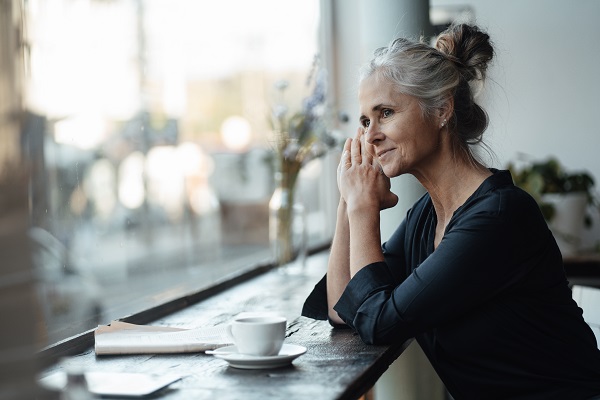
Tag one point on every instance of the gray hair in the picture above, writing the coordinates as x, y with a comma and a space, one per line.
433, 75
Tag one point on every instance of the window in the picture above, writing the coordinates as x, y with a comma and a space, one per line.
148, 126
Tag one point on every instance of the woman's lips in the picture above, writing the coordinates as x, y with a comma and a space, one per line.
383, 153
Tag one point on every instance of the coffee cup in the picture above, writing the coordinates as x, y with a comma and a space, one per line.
259, 335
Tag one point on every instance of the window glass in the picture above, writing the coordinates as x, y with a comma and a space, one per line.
148, 124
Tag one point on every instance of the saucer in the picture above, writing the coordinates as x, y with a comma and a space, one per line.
286, 355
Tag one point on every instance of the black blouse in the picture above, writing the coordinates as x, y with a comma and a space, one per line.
490, 307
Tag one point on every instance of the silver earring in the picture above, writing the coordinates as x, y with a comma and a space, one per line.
443, 123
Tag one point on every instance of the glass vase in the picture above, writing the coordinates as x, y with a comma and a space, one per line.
287, 233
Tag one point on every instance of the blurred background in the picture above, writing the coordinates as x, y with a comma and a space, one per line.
148, 125
135, 153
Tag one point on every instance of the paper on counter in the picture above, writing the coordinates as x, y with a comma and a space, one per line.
125, 338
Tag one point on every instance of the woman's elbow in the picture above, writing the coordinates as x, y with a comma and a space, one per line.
374, 339
334, 319
376, 333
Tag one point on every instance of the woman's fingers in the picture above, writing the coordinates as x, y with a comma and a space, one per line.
355, 149
378, 166
359, 172
346, 153
367, 149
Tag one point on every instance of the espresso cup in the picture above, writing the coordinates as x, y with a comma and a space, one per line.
259, 335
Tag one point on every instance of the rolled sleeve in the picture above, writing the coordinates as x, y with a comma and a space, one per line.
315, 306
364, 306
468, 268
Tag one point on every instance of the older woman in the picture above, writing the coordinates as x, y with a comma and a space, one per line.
473, 272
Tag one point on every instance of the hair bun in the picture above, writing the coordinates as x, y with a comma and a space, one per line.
468, 47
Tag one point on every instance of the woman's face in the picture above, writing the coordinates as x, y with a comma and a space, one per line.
396, 131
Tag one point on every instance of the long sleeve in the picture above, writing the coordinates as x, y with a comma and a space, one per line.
490, 247
469, 267
315, 305
490, 306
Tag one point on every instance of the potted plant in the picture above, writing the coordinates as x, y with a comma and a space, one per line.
563, 198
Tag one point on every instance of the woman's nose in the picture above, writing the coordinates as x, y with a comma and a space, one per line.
373, 134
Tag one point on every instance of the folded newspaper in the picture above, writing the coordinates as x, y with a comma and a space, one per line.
125, 338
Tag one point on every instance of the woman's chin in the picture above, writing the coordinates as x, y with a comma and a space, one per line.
390, 172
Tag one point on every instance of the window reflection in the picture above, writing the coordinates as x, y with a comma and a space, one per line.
150, 119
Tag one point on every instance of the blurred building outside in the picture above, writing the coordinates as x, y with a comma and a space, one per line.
150, 140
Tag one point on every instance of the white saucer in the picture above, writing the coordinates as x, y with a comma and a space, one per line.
286, 355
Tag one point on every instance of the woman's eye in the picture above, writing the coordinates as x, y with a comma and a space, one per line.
365, 123
386, 113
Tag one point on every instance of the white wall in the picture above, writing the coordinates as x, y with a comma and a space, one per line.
543, 97
588, 298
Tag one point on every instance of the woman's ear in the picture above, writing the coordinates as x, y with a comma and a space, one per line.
446, 112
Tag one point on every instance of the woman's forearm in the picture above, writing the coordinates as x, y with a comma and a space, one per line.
338, 269
365, 238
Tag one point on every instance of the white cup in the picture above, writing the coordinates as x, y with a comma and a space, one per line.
259, 335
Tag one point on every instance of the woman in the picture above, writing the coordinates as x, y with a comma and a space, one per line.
473, 272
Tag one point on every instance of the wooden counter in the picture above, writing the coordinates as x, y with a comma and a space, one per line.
337, 365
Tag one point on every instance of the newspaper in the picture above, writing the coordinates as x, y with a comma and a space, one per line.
125, 338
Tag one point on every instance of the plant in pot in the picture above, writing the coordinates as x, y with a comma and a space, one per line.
563, 198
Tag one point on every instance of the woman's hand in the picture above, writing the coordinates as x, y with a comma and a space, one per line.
361, 180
